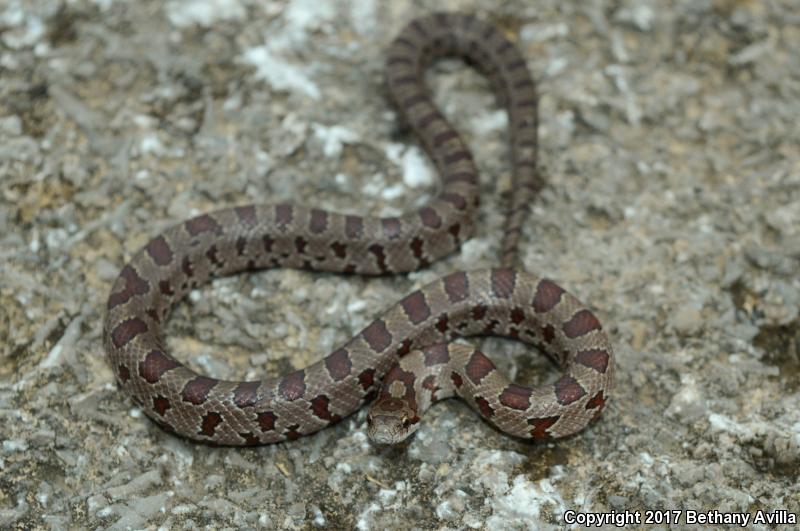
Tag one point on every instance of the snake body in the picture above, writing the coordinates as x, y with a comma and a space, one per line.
409, 341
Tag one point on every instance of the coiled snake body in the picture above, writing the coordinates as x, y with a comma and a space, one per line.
409, 341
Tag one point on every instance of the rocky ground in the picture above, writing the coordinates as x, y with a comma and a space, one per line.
670, 146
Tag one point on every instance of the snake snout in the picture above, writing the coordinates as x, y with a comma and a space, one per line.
390, 421
383, 435
385, 429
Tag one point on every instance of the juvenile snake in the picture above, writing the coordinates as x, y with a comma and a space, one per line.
411, 337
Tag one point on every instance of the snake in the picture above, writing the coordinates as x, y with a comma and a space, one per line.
408, 357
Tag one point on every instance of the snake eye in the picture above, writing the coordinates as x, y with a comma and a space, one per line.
406, 422
369, 420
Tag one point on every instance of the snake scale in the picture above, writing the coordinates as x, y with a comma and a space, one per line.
407, 348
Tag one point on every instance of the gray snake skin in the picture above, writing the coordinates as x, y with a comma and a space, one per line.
407, 347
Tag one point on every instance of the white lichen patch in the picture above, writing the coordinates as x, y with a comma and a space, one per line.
205, 13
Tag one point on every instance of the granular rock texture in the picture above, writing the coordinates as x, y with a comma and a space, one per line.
669, 144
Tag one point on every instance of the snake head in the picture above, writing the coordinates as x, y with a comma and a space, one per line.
391, 420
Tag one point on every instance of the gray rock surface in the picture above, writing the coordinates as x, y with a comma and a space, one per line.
671, 147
